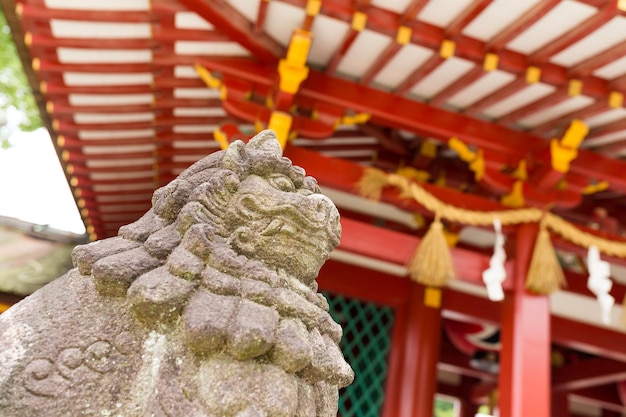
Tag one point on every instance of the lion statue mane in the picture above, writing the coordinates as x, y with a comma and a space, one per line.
205, 306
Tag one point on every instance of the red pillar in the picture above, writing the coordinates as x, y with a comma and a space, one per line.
524, 380
421, 354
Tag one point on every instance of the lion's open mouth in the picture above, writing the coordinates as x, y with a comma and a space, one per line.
289, 219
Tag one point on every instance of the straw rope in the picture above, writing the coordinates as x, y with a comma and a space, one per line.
374, 178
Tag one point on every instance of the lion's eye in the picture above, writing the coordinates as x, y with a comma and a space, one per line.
282, 183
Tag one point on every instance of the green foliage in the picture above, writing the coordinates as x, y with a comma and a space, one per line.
443, 408
17, 104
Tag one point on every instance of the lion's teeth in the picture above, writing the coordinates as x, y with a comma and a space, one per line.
272, 228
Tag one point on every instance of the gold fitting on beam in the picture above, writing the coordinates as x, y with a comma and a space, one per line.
65, 155
516, 197
70, 169
621, 4
280, 122
49, 106
491, 62
84, 212
404, 35
43, 87
313, 7
293, 69
575, 87
36, 64
533, 74
521, 172
56, 124
61, 140
428, 148
447, 49
359, 20
74, 182
596, 188
220, 137
616, 99
432, 297
28, 39
208, 78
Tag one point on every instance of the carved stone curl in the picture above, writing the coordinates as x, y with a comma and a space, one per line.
206, 306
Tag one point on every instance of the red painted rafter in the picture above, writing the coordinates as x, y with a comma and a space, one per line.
260, 17
520, 25
491, 99
604, 397
400, 113
602, 58
606, 13
607, 129
414, 8
430, 36
458, 85
423, 70
230, 22
534, 107
346, 43
587, 373
469, 13
593, 109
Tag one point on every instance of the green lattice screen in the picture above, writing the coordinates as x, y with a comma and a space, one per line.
365, 344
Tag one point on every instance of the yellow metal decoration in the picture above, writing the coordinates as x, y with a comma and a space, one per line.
280, 122
491, 62
516, 197
565, 150
575, 87
404, 35
447, 49
475, 159
292, 68
533, 74
616, 99
432, 297
359, 20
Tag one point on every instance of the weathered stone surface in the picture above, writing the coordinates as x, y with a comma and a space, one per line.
204, 307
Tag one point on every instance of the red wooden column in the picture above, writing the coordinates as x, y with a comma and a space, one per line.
524, 380
421, 354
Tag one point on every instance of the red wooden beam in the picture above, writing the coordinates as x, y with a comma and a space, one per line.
603, 397
616, 126
587, 373
260, 17
230, 22
587, 338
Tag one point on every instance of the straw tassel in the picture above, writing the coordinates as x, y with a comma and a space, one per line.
544, 273
432, 264
372, 183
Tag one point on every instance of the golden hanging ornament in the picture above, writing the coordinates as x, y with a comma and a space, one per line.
544, 273
432, 263
372, 183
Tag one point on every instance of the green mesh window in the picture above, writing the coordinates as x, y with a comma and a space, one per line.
365, 344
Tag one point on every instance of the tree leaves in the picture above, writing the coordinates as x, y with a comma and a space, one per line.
18, 109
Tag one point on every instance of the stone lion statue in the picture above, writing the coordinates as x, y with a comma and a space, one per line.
206, 306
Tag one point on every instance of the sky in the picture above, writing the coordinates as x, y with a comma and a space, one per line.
33, 187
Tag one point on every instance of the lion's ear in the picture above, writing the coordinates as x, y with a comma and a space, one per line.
266, 141
235, 156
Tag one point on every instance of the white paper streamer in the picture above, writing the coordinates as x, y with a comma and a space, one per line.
496, 274
599, 282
